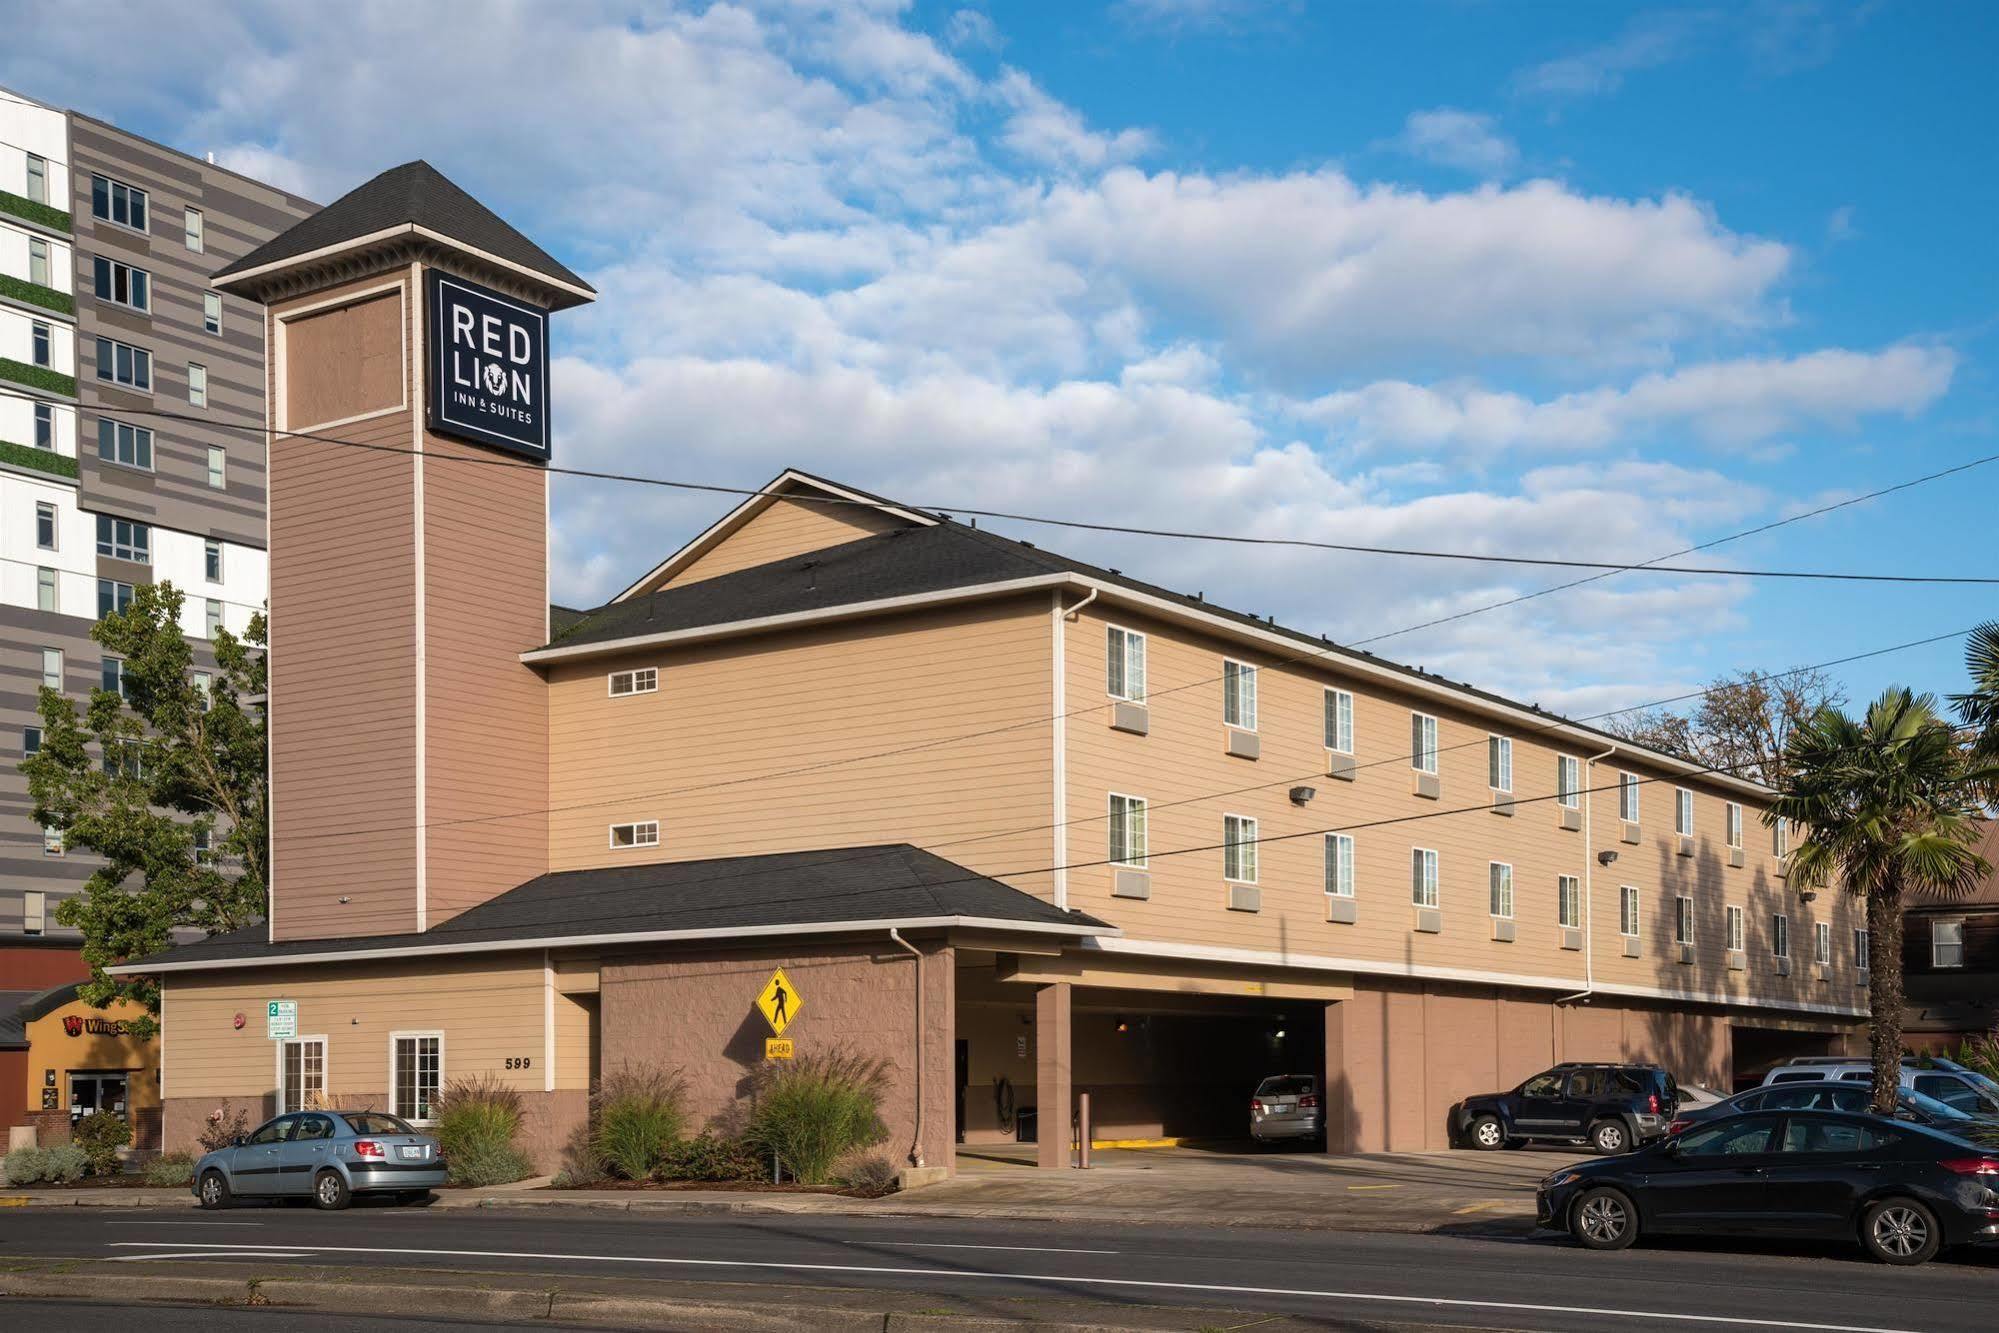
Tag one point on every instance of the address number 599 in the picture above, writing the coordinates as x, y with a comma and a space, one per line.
520, 1062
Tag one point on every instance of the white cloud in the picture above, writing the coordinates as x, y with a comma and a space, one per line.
1177, 16
1462, 140
970, 29
1049, 133
1646, 42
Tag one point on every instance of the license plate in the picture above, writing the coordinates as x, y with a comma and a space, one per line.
1279, 1108
412, 1150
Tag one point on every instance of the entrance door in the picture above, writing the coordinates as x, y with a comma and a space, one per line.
302, 1074
90, 1093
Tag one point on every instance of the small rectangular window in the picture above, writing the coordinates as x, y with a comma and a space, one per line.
1423, 742
1499, 762
1780, 935
211, 312
1423, 889
1627, 797
34, 911
197, 384
1124, 664
51, 841
1239, 849
1734, 814
1239, 695
1862, 941
1500, 880
635, 835
40, 344
1339, 721
1736, 940
122, 539
115, 201
121, 284
1947, 943
1339, 865
38, 262
212, 616
130, 446
1127, 831
1569, 902
211, 561
1683, 920
1683, 812
123, 364
193, 230
204, 847
218, 466
1627, 911
204, 685
111, 676
1780, 837
643, 680
45, 426
45, 526
419, 1073
38, 179
45, 589
52, 668
112, 596
1822, 943
31, 742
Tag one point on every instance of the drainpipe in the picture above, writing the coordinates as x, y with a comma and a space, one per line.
916, 954
1589, 866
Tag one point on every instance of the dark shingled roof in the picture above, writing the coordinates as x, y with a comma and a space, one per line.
413, 192
18, 1008
889, 883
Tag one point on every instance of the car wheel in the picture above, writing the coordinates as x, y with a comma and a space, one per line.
1609, 1137
1603, 1219
214, 1191
330, 1192
1900, 1231
1486, 1133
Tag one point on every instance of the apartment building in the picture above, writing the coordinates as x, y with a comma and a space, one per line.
131, 413
1023, 826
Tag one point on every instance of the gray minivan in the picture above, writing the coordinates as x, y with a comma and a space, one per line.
1286, 1106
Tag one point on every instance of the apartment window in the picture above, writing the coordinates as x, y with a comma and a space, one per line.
643, 680
1500, 882
1735, 934
1627, 797
112, 596
111, 676
1339, 865
1780, 836
45, 526
1863, 940
1569, 902
218, 466
1627, 911
122, 539
45, 426
1683, 920
418, 1072
193, 229
31, 742
1499, 762
204, 685
1423, 877
213, 615
40, 348
635, 835
1822, 943
211, 561
38, 262
38, 179
1239, 695
1239, 849
34, 911
121, 363
1124, 664
1947, 943
1339, 721
51, 841
115, 201
130, 446
1734, 812
197, 384
1780, 935
52, 668
304, 1082
1127, 831
1423, 742
121, 284
45, 589
127, 757
1683, 812
204, 847
211, 312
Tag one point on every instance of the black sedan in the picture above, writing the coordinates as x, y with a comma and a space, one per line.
1902, 1190
1855, 1097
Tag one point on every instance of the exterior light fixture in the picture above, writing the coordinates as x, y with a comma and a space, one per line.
1303, 795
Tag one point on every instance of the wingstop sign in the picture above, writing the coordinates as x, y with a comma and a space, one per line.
488, 367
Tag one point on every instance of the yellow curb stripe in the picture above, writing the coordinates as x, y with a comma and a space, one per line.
1136, 1143
1374, 1187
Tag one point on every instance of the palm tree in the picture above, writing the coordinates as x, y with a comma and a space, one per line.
1888, 803
1980, 708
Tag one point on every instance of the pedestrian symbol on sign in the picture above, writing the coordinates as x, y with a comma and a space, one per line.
779, 1002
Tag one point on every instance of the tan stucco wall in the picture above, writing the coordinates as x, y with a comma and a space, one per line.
51, 1047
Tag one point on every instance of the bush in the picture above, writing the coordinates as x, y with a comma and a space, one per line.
224, 1126
100, 1137
489, 1164
872, 1176
580, 1167
477, 1119
637, 1115
813, 1111
713, 1157
25, 1166
65, 1164
170, 1169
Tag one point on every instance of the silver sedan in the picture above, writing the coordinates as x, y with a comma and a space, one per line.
327, 1156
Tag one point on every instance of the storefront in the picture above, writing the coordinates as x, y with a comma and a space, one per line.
65, 1060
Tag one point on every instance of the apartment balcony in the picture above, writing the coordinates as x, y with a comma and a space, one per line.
38, 460
33, 293
40, 215
37, 377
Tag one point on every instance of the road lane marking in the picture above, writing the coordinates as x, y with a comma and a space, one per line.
1665, 1316
1374, 1187
183, 1224
940, 1245
1486, 1205
214, 1254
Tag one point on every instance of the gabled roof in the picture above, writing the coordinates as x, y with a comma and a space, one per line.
825, 891
20, 1008
412, 198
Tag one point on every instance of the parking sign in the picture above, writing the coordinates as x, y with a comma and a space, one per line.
281, 1019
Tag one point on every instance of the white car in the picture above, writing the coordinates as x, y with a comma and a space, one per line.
1952, 1084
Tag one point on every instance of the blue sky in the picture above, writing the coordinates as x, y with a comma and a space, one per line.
1588, 280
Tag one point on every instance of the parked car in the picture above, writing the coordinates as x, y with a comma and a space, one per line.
1952, 1084
1694, 1096
1612, 1107
1902, 1190
327, 1156
1825, 1095
1286, 1106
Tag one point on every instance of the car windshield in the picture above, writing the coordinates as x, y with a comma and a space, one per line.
374, 1122
1931, 1107
1283, 1085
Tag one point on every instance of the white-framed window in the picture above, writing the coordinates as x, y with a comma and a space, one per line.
1683, 812
218, 466
1947, 942
112, 597
1863, 940
122, 284
1239, 849
1780, 935
1627, 910
204, 685
1127, 831
1569, 902
129, 446
45, 426
126, 757
1339, 865
52, 668
45, 589
34, 911
211, 312
212, 616
1736, 939
1734, 812
641, 680
1499, 881
38, 179
644, 834
45, 526
51, 840
1423, 742
111, 676
211, 561
1627, 797
123, 539
197, 384
416, 1072
38, 261
1124, 664
123, 364
1568, 781
41, 343
1339, 721
192, 230
1499, 762
115, 201
302, 1074
1780, 837
1239, 694
204, 847
31, 742
1423, 884
1683, 920
1822, 943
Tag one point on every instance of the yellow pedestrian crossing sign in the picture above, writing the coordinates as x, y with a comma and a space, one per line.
779, 1003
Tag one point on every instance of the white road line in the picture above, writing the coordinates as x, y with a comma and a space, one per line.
940, 1245
214, 1254
183, 1224
1666, 1316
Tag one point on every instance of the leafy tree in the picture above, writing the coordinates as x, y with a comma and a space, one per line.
1888, 803
1980, 707
175, 765
1742, 725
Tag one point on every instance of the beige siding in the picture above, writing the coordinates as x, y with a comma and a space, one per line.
726, 754
344, 361
786, 528
575, 1041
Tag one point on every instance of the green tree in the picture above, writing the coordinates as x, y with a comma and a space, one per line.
1980, 707
176, 798
1888, 804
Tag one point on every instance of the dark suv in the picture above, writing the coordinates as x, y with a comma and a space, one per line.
1613, 1108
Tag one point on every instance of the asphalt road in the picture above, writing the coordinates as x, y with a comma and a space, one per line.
1541, 1283
203, 1318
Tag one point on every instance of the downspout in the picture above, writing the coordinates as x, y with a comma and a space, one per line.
1589, 895
1059, 740
916, 954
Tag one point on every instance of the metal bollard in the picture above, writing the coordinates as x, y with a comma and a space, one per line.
1083, 1131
